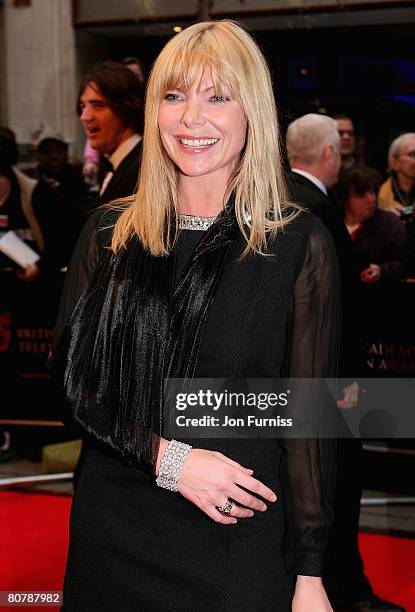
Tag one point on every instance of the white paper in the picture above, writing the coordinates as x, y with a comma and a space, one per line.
12, 246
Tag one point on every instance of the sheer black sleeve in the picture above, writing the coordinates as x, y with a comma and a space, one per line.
91, 243
308, 468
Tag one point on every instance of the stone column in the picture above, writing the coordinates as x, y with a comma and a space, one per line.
39, 68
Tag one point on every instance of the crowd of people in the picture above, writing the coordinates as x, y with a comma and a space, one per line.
163, 282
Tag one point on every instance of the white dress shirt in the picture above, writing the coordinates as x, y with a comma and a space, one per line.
311, 178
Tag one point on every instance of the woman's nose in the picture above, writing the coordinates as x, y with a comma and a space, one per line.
193, 114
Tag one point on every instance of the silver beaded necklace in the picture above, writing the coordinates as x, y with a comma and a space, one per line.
192, 222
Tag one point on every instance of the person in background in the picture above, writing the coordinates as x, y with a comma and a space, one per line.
347, 135
71, 191
110, 107
29, 208
91, 155
397, 193
379, 237
313, 149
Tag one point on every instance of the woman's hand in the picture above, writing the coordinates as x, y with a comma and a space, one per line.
310, 596
209, 479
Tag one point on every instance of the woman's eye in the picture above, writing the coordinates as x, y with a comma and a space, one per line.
219, 99
172, 97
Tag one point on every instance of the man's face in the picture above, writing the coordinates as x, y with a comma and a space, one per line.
52, 155
404, 164
347, 137
104, 129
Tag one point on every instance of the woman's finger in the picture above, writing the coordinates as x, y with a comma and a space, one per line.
246, 499
207, 508
239, 512
256, 486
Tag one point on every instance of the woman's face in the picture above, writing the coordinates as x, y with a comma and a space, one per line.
202, 133
362, 207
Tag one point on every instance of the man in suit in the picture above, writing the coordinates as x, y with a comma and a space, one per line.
110, 107
313, 148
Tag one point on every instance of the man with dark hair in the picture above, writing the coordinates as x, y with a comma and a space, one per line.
110, 106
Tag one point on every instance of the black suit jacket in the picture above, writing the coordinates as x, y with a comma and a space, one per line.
306, 193
124, 181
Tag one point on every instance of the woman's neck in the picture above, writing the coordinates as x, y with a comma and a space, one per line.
200, 196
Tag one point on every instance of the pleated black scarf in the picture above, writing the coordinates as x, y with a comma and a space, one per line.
129, 331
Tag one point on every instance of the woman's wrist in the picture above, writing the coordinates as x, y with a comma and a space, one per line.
171, 465
310, 582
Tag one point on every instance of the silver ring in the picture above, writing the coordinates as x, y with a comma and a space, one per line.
226, 508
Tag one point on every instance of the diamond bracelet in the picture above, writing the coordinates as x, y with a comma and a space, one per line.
171, 465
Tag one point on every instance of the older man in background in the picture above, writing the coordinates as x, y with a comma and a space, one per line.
313, 148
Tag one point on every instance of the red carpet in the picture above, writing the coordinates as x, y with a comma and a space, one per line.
33, 544
390, 566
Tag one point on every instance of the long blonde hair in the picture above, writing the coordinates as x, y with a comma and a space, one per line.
257, 182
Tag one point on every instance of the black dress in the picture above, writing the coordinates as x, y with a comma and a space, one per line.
134, 546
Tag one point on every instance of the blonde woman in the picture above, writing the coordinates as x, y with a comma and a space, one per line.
208, 272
